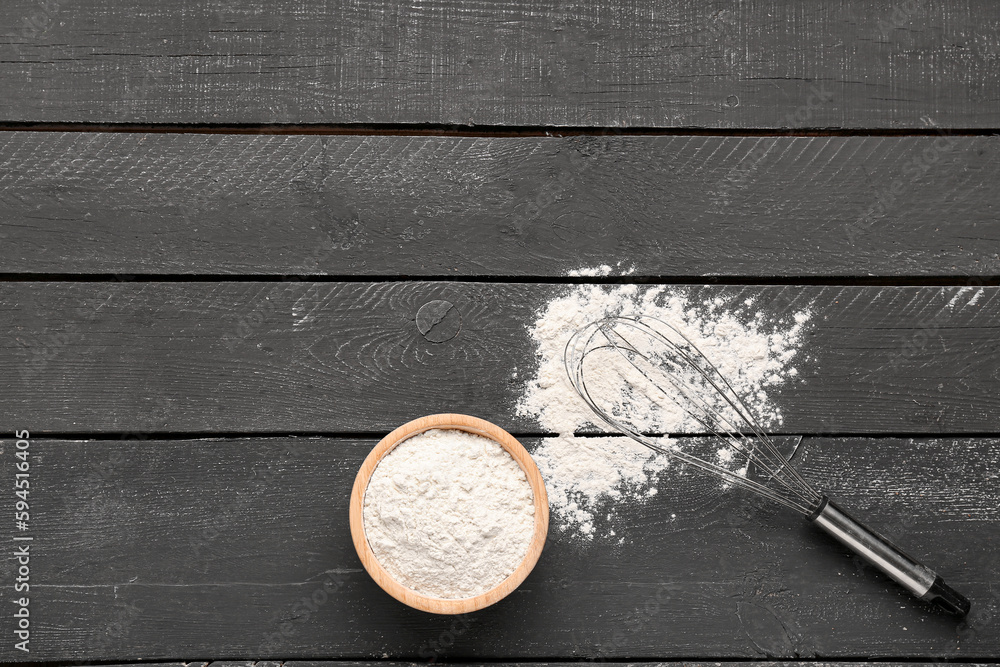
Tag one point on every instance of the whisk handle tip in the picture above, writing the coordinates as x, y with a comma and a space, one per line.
917, 578
947, 598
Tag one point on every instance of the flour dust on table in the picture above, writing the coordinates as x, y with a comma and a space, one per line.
449, 514
587, 475
600, 271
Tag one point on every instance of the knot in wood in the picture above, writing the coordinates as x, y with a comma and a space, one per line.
438, 321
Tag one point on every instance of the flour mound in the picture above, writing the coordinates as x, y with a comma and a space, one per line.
587, 475
449, 514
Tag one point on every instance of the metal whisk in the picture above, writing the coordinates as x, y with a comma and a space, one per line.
658, 363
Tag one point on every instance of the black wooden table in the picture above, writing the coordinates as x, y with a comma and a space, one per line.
177, 178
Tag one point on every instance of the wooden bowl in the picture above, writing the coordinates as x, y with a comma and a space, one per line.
442, 605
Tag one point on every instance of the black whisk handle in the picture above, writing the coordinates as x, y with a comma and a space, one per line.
915, 577
947, 598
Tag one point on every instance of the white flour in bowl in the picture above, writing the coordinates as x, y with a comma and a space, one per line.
584, 474
449, 514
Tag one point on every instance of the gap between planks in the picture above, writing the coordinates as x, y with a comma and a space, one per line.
618, 662
485, 131
632, 279
685, 662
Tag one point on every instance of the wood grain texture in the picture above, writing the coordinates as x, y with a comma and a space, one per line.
241, 547
686, 663
726, 65
173, 664
292, 357
432, 206
393, 663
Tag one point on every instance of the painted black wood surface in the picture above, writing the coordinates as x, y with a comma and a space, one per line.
726, 65
355, 663
687, 663
293, 357
682, 207
176, 308
207, 547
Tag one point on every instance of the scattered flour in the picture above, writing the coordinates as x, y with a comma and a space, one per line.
449, 514
602, 270
585, 475
962, 291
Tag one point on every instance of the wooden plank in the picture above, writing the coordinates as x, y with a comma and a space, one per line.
710, 65
164, 664
207, 547
292, 357
686, 663
655, 206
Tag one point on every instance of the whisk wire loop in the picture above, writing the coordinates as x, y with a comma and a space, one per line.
761, 449
676, 369
695, 382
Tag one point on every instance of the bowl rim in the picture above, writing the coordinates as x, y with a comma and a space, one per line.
476, 426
